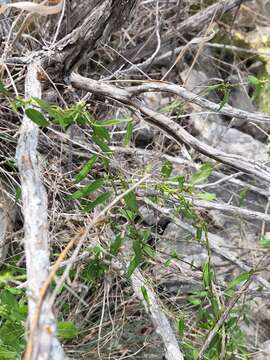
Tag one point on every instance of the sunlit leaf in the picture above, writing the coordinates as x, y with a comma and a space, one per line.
238, 280
202, 175
265, 242
67, 330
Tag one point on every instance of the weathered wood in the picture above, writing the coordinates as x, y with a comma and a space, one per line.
44, 344
98, 25
167, 125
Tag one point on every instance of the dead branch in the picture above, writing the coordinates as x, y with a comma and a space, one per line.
257, 118
159, 319
168, 126
36, 242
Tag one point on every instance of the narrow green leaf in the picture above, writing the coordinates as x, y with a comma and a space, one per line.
131, 202
225, 99
166, 169
206, 196
202, 175
103, 146
137, 247
135, 262
199, 232
67, 330
37, 117
18, 194
86, 190
44, 105
128, 135
181, 327
116, 245
101, 132
238, 280
86, 169
149, 250
181, 182
145, 295
206, 275
112, 122
98, 201
3, 89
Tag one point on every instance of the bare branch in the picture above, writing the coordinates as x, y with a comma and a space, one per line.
159, 319
45, 344
168, 126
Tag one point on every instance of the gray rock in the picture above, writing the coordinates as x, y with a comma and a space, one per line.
148, 215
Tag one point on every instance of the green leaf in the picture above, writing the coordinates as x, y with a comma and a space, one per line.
44, 105
95, 268
181, 327
116, 245
199, 232
225, 99
149, 250
67, 330
18, 194
137, 247
6, 354
194, 300
86, 169
112, 122
238, 280
253, 80
206, 196
135, 262
101, 132
101, 144
3, 89
98, 201
145, 295
128, 134
166, 169
265, 242
174, 105
206, 275
131, 202
215, 308
181, 182
202, 175
86, 190
37, 117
